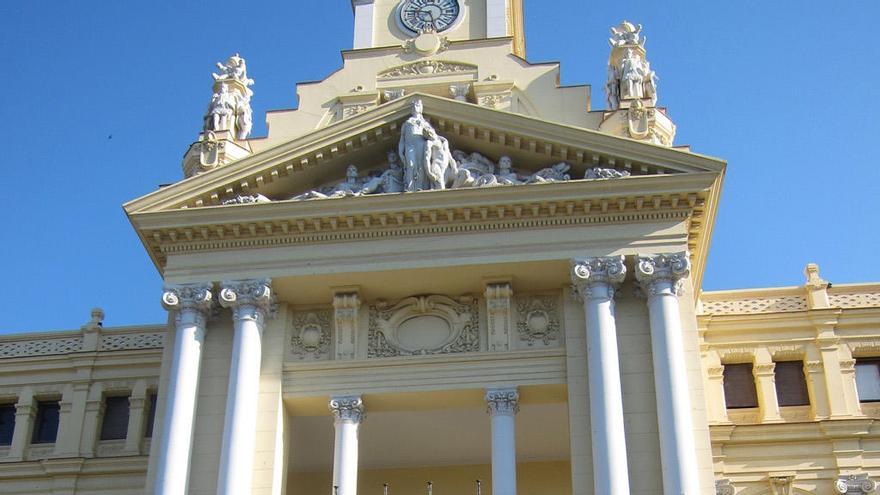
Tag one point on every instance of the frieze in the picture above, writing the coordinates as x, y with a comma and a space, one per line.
538, 319
424, 325
310, 334
426, 68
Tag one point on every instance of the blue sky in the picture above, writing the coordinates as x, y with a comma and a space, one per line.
99, 101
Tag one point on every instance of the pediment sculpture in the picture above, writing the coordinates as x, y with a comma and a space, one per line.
424, 161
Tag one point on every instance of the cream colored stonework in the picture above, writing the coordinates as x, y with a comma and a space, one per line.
412, 304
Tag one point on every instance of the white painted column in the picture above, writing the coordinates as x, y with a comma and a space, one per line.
348, 413
251, 302
502, 405
660, 277
190, 304
595, 280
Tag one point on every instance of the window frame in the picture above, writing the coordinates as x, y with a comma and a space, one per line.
42, 406
725, 383
875, 361
125, 402
782, 389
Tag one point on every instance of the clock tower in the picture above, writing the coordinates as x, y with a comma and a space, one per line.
379, 23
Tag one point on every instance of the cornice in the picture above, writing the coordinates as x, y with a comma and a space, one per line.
680, 197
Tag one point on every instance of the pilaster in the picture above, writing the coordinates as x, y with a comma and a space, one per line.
137, 403
499, 316
764, 372
25, 413
346, 312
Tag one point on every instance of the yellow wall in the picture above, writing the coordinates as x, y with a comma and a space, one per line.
533, 478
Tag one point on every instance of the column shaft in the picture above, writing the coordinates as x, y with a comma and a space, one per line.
348, 414
595, 279
191, 303
175, 444
660, 276
503, 405
250, 302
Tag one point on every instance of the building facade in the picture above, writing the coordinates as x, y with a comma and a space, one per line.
444, 271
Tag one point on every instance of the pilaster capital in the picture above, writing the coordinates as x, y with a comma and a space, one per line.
347, 409
249, 299
656, 272
723, 487
195, 297
597, 277
502, 401
765, 370
498, 296
854, 483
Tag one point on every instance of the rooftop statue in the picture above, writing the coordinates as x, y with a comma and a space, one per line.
230, 107
235, 68
626, 34
629, 74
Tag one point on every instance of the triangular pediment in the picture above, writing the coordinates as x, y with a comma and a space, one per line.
322, 156
658, 183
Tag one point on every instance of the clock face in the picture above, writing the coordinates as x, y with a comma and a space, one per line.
428, 15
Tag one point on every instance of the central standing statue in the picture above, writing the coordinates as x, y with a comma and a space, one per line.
427, 161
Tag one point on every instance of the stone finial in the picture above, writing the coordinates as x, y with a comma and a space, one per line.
96, 321
816, 287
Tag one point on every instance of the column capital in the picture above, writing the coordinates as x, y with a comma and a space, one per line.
597, 277
196, 297
656, 271
502, 401
349, 408
854, 483
251, 298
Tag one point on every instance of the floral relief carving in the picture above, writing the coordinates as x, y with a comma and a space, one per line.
538, 319
426, 68
424, 325
310, 335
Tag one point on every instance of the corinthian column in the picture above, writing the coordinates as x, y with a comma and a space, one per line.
595, 280
660, 277
348, 413
251, 302
503, 404
190, 305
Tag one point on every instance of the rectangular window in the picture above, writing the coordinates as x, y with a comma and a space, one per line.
46, 422
739, 386
868, 379
791, 385
7, 423
115, 423
151, 416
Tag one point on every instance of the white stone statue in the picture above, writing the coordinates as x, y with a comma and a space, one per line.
632, 76
243, 118
626, 34
389, 181
235, 68
414, 150
605, 173
221, 111
556, 173
351, 186
427, 161
612, 88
